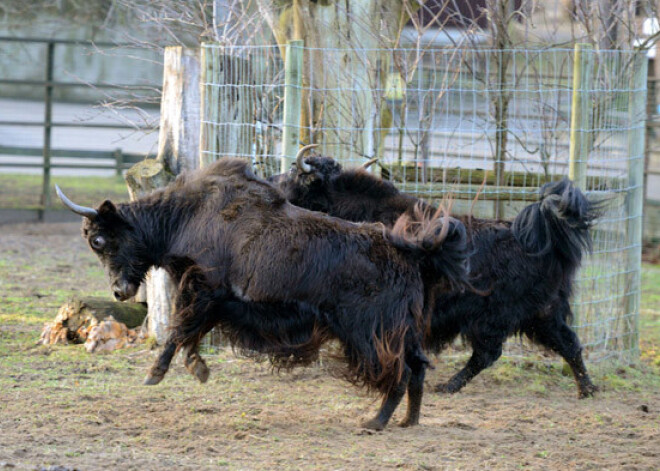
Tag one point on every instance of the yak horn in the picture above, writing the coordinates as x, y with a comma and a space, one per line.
84, 211
369, 163
302, 166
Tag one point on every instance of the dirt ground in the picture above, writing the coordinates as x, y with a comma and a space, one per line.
61, 408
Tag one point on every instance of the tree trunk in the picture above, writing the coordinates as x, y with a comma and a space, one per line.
178, 150
78, 310
157, 290
346, 37
178, 139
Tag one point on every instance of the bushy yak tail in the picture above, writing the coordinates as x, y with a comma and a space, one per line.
558, 223
439, 241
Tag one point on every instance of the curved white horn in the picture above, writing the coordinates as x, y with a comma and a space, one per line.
300, 162
84, 211
369, 163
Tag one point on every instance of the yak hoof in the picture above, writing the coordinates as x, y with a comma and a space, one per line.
373, 424
200, 371
196, 365
408, 422
446, 388
587, 390
152, 379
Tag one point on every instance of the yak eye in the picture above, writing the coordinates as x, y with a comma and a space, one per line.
98, 242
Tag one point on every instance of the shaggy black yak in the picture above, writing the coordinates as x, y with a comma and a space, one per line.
281, 280
525, 267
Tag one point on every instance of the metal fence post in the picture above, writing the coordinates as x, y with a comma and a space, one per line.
580, 137
48, 114
209, 107
292, 100
580, 133
635, 198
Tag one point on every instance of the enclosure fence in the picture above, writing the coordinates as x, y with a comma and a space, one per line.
443, 121
53, 106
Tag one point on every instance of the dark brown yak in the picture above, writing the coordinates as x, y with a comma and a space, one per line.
281, 280
527, 266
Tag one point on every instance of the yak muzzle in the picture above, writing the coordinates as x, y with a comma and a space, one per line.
124, 290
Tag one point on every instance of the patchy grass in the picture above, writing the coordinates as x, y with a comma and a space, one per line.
649, 322
60, 406
24, 191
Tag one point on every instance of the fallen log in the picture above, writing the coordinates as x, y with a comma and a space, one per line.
96, 322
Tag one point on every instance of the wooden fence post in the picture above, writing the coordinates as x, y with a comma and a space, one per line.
293, 69
580, 138
119, 161
48, 124
178, 138
635, 198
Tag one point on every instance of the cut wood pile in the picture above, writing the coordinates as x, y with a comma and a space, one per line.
101, 325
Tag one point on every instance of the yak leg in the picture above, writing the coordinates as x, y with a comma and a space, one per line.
196, 365
483, 355
188, 334
193, 362
556, 335
162, 363
390, 403
415, 390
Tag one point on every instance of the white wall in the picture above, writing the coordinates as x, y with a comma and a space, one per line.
27, 61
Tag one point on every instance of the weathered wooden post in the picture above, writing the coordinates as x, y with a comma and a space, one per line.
48, 125
293, 68
635, 198
581, 113
178, 150
119, 161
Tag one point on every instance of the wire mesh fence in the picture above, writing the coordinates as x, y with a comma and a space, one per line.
446, 120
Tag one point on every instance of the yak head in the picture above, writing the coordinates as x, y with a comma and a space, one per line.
117, 244
308, 179
309, 182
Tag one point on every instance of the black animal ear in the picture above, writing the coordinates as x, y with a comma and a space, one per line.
109, 215
107, 208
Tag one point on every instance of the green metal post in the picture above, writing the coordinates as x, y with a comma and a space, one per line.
293, 69
580, 138
635, 198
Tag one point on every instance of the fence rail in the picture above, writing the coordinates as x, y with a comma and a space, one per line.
116, 159
120, 160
